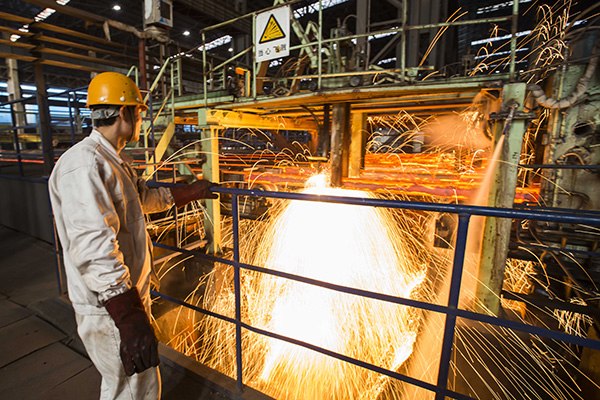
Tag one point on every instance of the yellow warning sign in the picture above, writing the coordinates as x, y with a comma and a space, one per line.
272, 31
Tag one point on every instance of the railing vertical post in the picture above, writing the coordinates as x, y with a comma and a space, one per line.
71, 125
57, 260
152, 142
204, 70
450, 325
254, 64
320, 46
237, 287
403, 40
16, 137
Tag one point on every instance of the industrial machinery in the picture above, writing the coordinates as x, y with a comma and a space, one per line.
488, 104
514, 138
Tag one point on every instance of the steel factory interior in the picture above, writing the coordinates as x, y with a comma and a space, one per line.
408, 194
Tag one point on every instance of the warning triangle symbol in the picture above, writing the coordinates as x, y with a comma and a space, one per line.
272, 31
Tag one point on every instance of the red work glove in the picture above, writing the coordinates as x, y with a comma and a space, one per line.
139, 347
194, 191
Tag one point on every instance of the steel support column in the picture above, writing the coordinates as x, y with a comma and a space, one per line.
45, 130
340, 143
358, 142
143, 81
14, 92
210, 171
496, 233
362, 22
324, 144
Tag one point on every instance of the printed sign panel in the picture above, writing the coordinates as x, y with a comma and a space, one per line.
272, 37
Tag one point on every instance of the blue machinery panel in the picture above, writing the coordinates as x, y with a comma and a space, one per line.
451, 310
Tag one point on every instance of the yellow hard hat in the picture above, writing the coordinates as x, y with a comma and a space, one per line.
113, 88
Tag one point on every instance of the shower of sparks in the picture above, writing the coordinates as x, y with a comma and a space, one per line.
518, 279
574, 323
335, 243
354, 246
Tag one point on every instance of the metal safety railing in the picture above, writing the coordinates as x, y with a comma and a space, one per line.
319, 46
65, 116
450, 310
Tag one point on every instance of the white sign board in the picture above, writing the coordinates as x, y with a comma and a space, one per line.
272, 34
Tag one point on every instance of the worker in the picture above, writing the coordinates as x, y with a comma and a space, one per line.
99, 204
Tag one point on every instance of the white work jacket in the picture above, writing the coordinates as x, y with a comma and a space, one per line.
99, 204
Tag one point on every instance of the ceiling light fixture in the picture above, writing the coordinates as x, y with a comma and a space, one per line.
117, 7
42, 15
186, 33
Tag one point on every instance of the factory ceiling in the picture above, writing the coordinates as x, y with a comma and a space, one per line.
68, 33
86, 17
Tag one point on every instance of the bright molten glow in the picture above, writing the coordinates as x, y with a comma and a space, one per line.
354, 246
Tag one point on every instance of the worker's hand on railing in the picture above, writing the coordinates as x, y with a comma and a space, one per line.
182, 195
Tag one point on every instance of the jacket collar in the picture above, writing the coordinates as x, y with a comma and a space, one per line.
97, 137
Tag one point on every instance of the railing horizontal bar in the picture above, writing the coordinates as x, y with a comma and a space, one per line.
558, 166
554, 249
192, 307
354, 361
556, 216
393, 374
492, 320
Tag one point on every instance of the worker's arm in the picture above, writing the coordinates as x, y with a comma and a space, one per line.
153, 199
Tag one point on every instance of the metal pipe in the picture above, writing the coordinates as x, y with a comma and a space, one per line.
71, 119
237, 289
341, 74
403, 39
16, 141
254, 64
204, 73
407, 28
513, 39
44, 123
158, 78
319, 48
540, 215
229, 60
142, 64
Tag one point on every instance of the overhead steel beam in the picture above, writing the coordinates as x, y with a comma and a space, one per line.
58, 29
86, 16
49, 39
237, 119
68, 10
55, 63
87, 47
80, 35
103, 61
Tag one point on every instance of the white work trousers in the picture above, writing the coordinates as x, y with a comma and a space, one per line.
101, 339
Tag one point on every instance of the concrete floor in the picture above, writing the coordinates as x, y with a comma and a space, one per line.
41, 356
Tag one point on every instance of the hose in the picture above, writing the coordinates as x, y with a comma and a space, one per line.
582, 85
